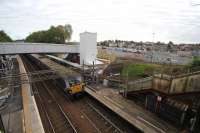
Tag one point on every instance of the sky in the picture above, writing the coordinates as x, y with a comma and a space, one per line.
138, 20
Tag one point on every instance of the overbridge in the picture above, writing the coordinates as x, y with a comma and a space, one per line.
37, 48
87, 47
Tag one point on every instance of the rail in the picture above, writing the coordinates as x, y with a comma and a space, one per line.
89, 113
53, 110
104, 117
110, 125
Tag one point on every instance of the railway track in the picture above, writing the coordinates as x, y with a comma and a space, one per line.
109, 126
58, 121
92, 114
60, 114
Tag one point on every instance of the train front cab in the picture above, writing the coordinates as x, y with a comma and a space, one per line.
74, 87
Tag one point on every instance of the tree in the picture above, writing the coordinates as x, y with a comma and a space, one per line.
194, 65
4, 37
58, 34
68, 31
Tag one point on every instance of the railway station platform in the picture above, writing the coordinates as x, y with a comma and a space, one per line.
31, 118
60, 69
65, 61
128, 110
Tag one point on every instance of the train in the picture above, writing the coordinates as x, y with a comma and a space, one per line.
72, 85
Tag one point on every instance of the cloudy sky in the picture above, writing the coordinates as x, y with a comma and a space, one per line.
176, 20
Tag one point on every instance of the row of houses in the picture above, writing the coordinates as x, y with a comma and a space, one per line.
183, 50
179, 57
167, 58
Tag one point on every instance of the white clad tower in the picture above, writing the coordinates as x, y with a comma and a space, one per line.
88, 47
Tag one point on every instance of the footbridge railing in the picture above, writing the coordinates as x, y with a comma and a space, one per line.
138, 85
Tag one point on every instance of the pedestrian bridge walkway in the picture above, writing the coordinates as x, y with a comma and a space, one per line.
36, 48
86, 48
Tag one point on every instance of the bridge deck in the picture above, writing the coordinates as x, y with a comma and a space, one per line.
26, 48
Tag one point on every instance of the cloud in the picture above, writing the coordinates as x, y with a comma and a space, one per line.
175, 20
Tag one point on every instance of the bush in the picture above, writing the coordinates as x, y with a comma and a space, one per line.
195, 62
137, 70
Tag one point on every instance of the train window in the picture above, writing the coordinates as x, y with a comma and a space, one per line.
77, 81
67, 85
71, 83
